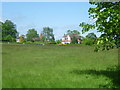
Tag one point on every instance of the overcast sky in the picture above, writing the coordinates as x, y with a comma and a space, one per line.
61, 16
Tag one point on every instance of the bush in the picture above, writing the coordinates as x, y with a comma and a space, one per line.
88, 42
58, 41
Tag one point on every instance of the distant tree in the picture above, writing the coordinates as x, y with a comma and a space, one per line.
48, 34
91, 36
82, 38
43, 38
0, 30
90, 39
1, 25
9, 31
31, 33
17, 35
107, 21
58, 41
8, 38
53, 39
70, 32
74, 40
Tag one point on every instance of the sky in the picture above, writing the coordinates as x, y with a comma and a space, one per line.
61, 16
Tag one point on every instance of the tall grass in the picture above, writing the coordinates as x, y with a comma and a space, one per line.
0, 65
27, 66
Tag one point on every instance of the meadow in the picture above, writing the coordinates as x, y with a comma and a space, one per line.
37, 66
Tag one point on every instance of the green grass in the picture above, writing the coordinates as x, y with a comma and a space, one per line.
0, 65
27, 66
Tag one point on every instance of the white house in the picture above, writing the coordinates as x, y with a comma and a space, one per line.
67, 39
17, 39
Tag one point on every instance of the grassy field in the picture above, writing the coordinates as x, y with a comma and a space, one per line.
27, 66
0, 65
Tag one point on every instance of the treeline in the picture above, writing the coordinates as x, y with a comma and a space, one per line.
10, 34
107, 22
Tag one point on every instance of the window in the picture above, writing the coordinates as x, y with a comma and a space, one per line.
66, 38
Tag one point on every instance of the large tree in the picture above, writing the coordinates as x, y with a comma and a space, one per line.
31, 33
8, 31
48, 34
107, 21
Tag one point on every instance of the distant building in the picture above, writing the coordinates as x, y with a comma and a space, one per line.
18, 38
67, 39
36, 39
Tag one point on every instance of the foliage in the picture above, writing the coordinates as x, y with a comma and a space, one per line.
43, 38
48, 34
90, 39
107, 18
87, 42
31, 33
75, 35
86, 27
22, 39
58, 41
0, 30
70, 32
82, 38
8, 31
74, 40
8, 38
91, 36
